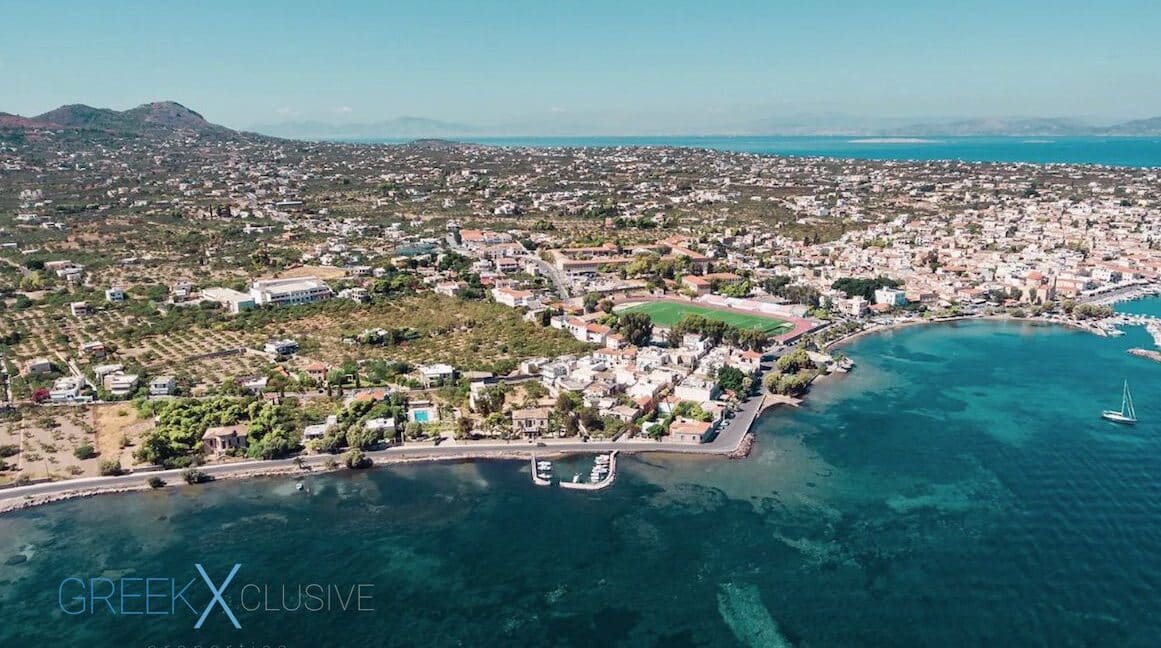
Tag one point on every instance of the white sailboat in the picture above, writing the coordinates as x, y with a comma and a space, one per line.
1127, 414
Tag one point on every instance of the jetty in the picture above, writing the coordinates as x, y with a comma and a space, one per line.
1146, 353
605, 482
603, 475
1110, 326
536, 474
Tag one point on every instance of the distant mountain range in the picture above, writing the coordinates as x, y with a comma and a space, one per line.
1027, 127
418, 127
166, 117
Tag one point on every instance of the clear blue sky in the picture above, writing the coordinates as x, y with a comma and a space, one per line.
621, 66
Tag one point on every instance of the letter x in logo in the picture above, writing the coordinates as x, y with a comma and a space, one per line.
217, 593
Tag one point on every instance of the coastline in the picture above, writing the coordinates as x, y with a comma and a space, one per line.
23, 497
734, 441
879, 328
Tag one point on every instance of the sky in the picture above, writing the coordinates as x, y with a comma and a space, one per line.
588, 67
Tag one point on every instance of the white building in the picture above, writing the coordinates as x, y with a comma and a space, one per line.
513, 298
120, 385
281, 347
231, 300
891, 297
66, 388
697, 390
162, 386
435, 374
286, 292
355, 294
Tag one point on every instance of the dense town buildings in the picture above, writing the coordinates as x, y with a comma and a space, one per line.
150, 274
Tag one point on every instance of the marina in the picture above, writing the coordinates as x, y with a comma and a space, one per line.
602, 474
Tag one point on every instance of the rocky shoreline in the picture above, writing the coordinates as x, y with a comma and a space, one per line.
744, 448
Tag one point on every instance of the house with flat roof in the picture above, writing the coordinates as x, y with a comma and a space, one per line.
514, 298
289, 292
37, 366
120, 385
232, 300
283, 347
436, 374
66, 389
162, 386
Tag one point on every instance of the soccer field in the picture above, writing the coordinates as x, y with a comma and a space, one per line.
669, 313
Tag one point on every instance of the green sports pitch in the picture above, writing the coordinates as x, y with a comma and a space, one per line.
669, 313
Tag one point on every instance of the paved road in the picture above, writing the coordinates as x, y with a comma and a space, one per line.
728, 440
558, 279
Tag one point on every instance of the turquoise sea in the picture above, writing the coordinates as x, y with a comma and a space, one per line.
1147, 306
957, 489
1115, 151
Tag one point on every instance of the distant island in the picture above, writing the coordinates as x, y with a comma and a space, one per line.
161, 116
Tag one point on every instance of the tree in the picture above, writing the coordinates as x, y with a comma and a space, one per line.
793, 384
731, 379
463, 427
362, 438
336, 377
545, 317
357, 460
155, 482
414, 430
277, 382
770, 382
637, 328
534, 391
498, 423
330, 443
852, 286
795, 361
590, 302
195, 476
491, 399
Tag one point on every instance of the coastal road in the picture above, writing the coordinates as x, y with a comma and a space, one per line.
728, 440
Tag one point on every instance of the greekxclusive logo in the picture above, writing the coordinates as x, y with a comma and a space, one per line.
199, 596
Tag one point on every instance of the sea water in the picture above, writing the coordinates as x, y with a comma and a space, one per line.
958, 488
